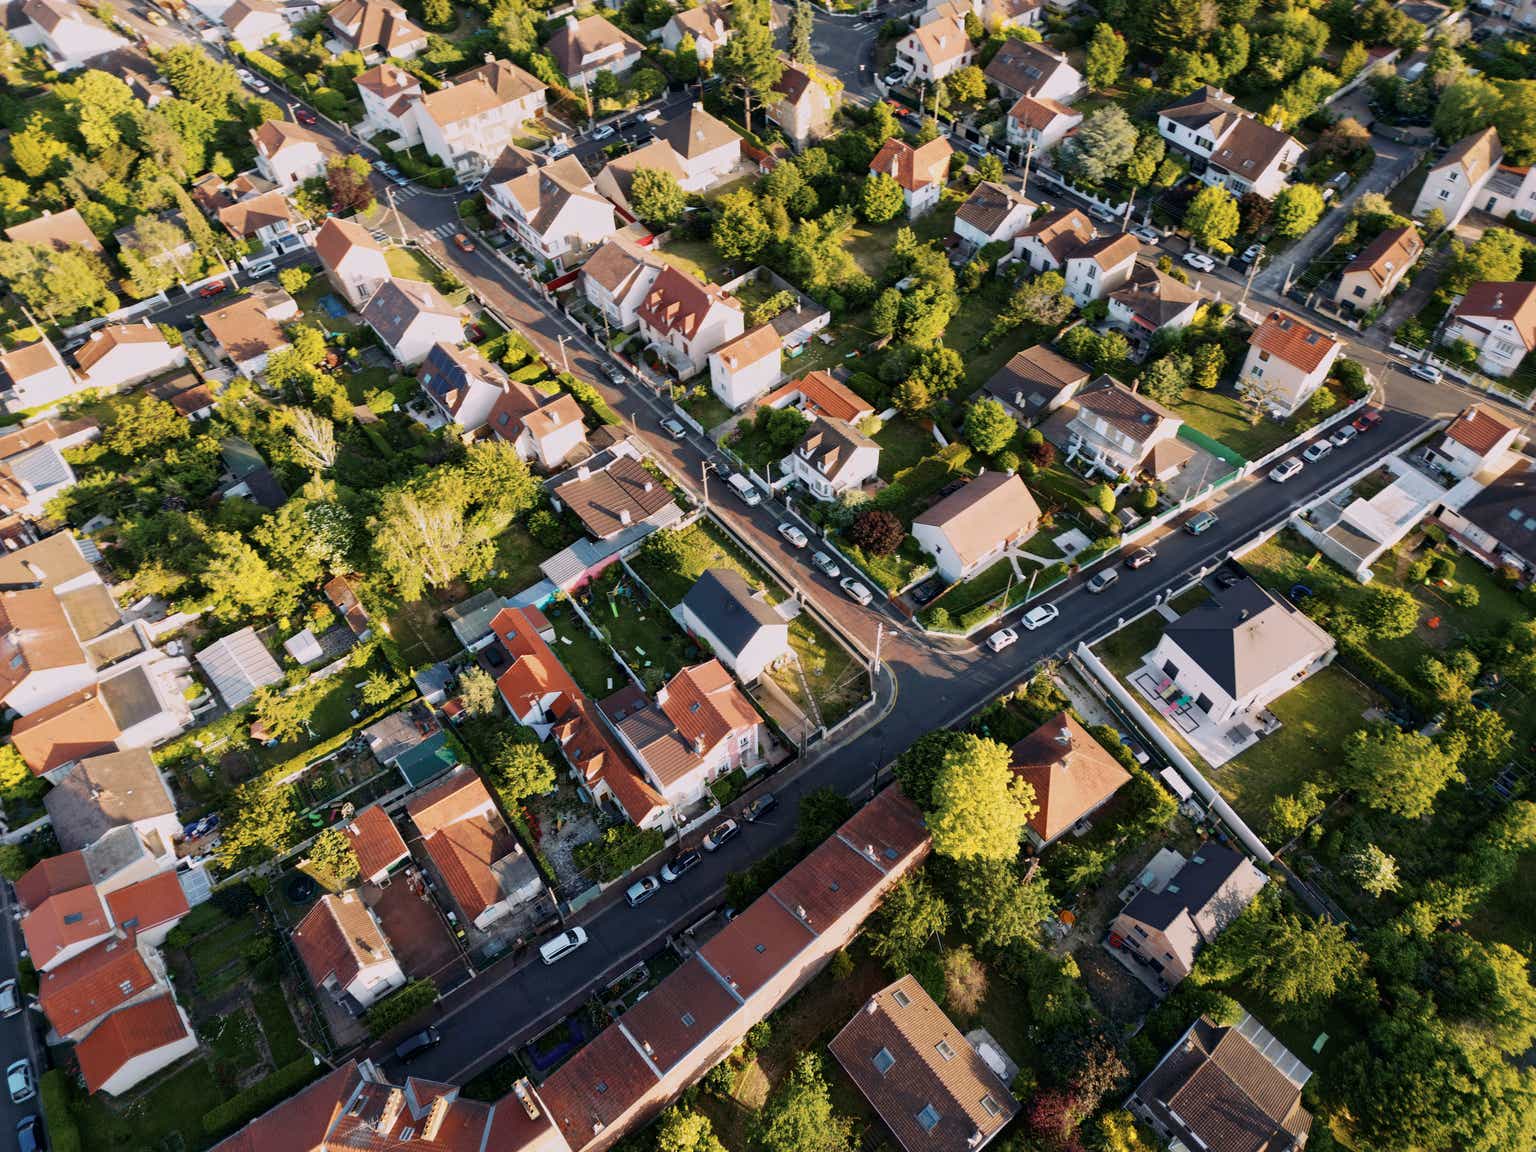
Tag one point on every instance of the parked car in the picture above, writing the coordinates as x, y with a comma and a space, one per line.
10, 999
857, 591
1343, 436
674, 428
1039, 617
463, 243
1140, 558
29, 1134
260, 270
1199, 261
558, 149
1252, 253
1289, 467
386, 168
156, 19
1002, 638
21, 1082
719, 834
1426, 372
1316, 450
1146, 234
603, 133
1102, 579
1200, 523
617, 378
213, 289
1366, 420
759, 808
682, 862
926, 591
649, 117
793, 534
306, 117
413, 1046
381, 237
245, 74
827, 566
642, 890
562, 945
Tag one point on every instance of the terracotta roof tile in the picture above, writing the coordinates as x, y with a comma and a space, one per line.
749, 348
752, 948
63, 921
148, 903
823, 396
113, 336
1474, 154
57, 230
1514, 302
134, 1031
465, 853
456, 797
299, 1123
337, 239
337, 938
595, 1087
83, 989
914, 168
1389, 254
679, 1013
1477, 428
705, 704
51, 876
376, 841
1071, 777
678, 303
1293, 341
623, 494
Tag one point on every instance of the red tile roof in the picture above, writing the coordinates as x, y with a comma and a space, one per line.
376, 841
299, 1123
465, 853
149, 903
1298, 344
1478, 429
63, 921
136, 1030
680, 1013
677, 302
914, 168
1071, 777
1511, 301
752, 948
459, 794
52, 876
823, 396
88, 986
594, 1088
827, 883
704, 703
337, 938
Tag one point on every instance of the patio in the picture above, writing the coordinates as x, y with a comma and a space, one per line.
1216, 743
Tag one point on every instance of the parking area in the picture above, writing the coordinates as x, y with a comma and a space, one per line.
417, 930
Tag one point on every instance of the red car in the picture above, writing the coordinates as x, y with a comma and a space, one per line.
463, 242
1367, 420
212, 289
305, 116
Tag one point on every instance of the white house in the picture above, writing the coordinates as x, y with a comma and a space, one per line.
133, 1044
617, 178
1035, 382
1023, 68
922, 172
1478, 440
1151, 300
121, 355
1371, 276
736, 621
409, 317
803, 108
549, 206
935, 50
252, 23
32, 466
467, 123
992, 213
463, 384
1098, 267
1050, 240
71, 36
43, 660
268, 221
289, 154
390, 96
709, 24
1239, 650
1287, 361
246, 333
746, 367
583, 48
1499, 320
1456, 182
992, 13
376, 28
1118, 431
1242, 153
36, 376
1040, 123
832, 459
969, 529
616, 278
353, 260
685, 320
345, 952
114, 790
706, 147
545, 430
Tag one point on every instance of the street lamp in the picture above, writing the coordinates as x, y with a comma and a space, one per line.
705, 468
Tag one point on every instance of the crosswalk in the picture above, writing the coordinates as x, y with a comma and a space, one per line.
408, 191
442, 231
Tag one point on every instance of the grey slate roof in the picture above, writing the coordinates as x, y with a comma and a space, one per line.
1192, 888
1242, 636
1506, 510
397, 304
104, 792
722, 600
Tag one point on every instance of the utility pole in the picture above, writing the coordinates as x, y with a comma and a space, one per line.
565, 356
705, 468
389, 192
874, 663
1029, 154
1253, 270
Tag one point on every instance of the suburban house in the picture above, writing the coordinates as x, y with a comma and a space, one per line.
1287, 361
998, 13
1072, 774
545, 430
267, 221
1238, 151
389, 95
1121, 432
56, 232
934, 50
832, 459
1499, 320
246, 333
706, 147
550, 206
709, 25
73, 902
685, 321
353, 260
289, 154
44, 660
1371, 276
1456, 182
617, 178
924, 1079
466, 123
36, 376
1049, 240
736, 621
820, 396
922, 172
992, 214
804, 107
1151, 300
411, 740
122, 355
1098, 267
410, 317
1021, 69
133, 1044
70, 35
583, 48
376, 28
699, 728
345, 953
82, 991
151, 907
249, 475
1040, 123
1233, 1087
462, 384
252, 23
1035, 382
746, 367
379, 847
1498, 525
620, 495
968, 529
238, 665
33, 471
1479, 440
616, 278
51, 739
1169, 921
1237, 651
114, 790
483, 866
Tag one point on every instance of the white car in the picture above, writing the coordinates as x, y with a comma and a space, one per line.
674, 428
10, 999
649, 117
1039, 617
21, 1082
1316, 450
603, 133
826, 565
642, 890
558, 149
1103, 579
1287, 468
857, 592
1002, 638
719, 834
1252, 253
261, 87
1199, 261
1426, 372
1343, 437
245, 75
793, 534
1146, 234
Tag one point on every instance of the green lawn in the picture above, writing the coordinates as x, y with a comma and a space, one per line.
1122, 651
1221, 416
408, 264
233, 1040
704, 548
892, 572
704, 406
587, 658
695, 257
644, 635
277, 1025
968, 602
518, 556
902, 443
167, 1118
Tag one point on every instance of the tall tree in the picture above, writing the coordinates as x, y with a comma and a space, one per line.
748, 62
979, 805
314, 438
421, 541
880, 198
800, 1117
801, 21
1297, 210
681, 1129
1106, 57
911, 916
1212, 218
657, 198
1398, 772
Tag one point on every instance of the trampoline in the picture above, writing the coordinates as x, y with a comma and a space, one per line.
334, 308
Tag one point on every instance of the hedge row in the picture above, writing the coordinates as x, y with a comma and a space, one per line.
590, 399
256, 1099
53, 1091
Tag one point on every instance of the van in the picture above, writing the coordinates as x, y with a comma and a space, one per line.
257, 271
562, 945
744, 488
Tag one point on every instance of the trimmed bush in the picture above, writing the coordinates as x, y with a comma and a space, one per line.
399, 1006
254, 1100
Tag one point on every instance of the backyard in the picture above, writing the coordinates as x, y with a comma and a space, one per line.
1223, 417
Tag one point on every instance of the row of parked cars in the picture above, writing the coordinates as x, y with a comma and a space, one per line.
1342, 437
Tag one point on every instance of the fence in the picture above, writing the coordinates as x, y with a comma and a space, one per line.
1214, 447
1363, 75
128, 312
1305, 436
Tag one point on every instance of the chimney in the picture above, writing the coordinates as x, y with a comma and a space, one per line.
698, 745
646, 1044
871, 1006
571, 22
1064, 736
490, 57
624, 516
1243, 615
582, 473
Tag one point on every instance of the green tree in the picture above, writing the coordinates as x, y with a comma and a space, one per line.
1289, 815
14, 861
1294, 962
996, 909
1212, 218
1496, 256
422, 540
1102, 145
197, 77
1042, 301
1389, 613
60, 285
1165, 379
967, 85
477, 692
799, 1116
516, 24
979, 805
521, 770
259, 819
1102, 497
682, 1129
294, 280
1142, 167
918, 768
885, 312
748, 62
801, 22
740, 231
1372, 869
1207, 363
657, 198
332, 854
437, 13
399, 1006
911, 916
1106, 57
880, 198
1397, 772
990, 168
1466, 107
240, 582
1297, 210
285, 716
142, 425
988, 427
36, 151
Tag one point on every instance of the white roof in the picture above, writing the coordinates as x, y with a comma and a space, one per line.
303, 647
237, 665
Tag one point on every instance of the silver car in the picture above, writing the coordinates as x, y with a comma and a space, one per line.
642, 890
826, 565
21, 1082
857, 591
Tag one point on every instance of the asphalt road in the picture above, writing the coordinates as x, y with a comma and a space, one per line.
19, 1035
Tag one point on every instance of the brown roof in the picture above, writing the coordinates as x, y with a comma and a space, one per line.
55, 230
680, 1013
88, 986
466, 853
64, 920
149, 903
342, 593
104, 792
1295, 342
275, 135
1514, 302
914, 168
104, 340
337, 238
696, 133
244, 217
388, 80
794, 82
1388, 254
1024, 67
756, 945
244, 330
942, 40
31, 360
990, 509
616, 261
575, 40
559, 413
1070, 772
134, 1031
930, 1087
481, 89
657, 156
376, 841
620, 495
1131, 412
594, 1088
1061, 232
826, 884
986, 208
700, 22
378, 23
705, 704
194, 399
35, 636
1249, 148
1039, 112
1153, 296
299, 1123
655, 739
1109, 251
750, 348
1478, 428
51, 876
823, 396
450, 800
679, 303
1474, 154
65, 730
338, 937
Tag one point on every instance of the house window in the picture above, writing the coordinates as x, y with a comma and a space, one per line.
883, 1061
944, 1050
1203, 703
1359, 289
990, 1106
1139, 930
1445, 193
901, 998
928, 1117
1170, 669
745, 741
